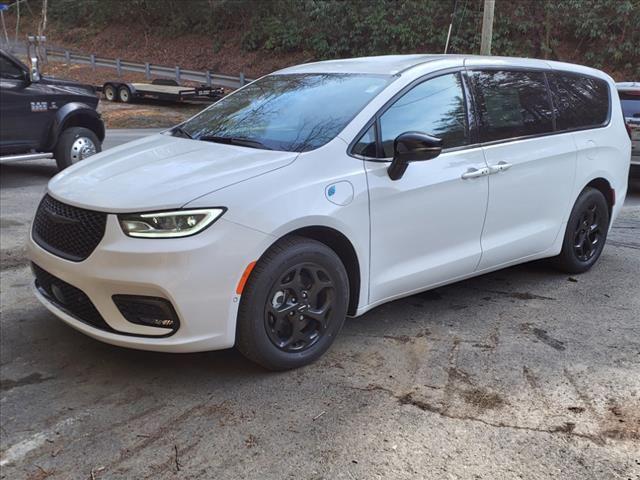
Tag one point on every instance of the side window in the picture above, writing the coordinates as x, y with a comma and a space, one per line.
630, 104
366, 145
10, 70
512, 104
435, 107
579, 101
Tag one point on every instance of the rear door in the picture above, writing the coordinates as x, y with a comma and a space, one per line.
532, 170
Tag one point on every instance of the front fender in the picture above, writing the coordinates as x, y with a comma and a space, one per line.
79, 114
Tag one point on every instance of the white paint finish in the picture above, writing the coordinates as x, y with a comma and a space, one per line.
199, 276
425, 227
280, 205
527, 202
160, 172
383, 64
413, 234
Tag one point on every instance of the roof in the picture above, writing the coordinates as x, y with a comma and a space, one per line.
381, 65
396, 64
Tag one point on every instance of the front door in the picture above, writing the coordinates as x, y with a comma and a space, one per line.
24, 109
426, 226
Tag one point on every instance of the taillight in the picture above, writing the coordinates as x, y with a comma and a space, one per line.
628, 129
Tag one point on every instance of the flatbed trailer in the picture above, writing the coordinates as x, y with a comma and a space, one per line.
160, 90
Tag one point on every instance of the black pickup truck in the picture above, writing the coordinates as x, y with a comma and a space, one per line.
43, 117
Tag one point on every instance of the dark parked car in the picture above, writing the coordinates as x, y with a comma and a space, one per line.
42, 117
630, 97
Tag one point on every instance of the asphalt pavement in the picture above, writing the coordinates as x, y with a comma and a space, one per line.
522, 373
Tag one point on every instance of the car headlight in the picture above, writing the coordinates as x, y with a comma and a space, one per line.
179, 223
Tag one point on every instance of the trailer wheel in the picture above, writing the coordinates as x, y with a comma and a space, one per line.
124, 94
110, 92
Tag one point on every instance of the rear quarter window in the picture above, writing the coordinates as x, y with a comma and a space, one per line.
579, 101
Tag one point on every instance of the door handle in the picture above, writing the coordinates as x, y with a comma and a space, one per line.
475, 173
500, 167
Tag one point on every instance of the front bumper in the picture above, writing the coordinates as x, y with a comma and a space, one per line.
197, 274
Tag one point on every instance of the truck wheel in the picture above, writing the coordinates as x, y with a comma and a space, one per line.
75, 144
124, 94
110, 92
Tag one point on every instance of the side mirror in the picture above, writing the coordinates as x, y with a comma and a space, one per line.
412, 147
34, 75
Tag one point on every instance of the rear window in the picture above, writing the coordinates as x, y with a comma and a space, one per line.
630, 104
512, 104
579, 101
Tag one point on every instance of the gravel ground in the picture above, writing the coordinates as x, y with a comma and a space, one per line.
522, 373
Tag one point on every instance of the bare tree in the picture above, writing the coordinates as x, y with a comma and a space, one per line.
42, 26
17, 19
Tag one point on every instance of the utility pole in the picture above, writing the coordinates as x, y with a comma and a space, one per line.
487, 27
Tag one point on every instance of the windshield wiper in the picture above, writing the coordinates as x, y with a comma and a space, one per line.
242, 141
182, 132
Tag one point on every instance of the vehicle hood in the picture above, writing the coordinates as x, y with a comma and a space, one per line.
160, 172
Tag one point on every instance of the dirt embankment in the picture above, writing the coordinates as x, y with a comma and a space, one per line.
193, 51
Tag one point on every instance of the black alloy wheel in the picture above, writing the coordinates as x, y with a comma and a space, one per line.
586, 233
299, 306
293, 305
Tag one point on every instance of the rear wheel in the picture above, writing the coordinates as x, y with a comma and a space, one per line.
124, 94
586, 233
110, 92
293, 305
75, 144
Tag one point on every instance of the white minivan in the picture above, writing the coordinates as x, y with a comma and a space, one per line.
326, 189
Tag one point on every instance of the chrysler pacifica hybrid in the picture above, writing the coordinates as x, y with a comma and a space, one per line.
323, 190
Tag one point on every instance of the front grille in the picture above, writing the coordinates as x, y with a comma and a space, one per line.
68, 232
68, 298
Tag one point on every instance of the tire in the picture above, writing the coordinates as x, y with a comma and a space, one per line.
110, 92
297, 286
74, 145
124, 94
586, 233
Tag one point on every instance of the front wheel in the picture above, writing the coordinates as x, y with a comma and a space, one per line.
586, 233
75, 144
293, 305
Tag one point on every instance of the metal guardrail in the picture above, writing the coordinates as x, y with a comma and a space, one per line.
149, 70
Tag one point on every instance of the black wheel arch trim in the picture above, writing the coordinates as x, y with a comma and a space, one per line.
69, 114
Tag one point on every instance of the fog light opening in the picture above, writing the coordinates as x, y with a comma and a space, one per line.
148, 311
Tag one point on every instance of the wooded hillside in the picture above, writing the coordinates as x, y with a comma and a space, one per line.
600, 33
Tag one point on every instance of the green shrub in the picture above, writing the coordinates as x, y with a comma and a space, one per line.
602, 33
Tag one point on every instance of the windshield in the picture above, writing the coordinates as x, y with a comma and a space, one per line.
296, 112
